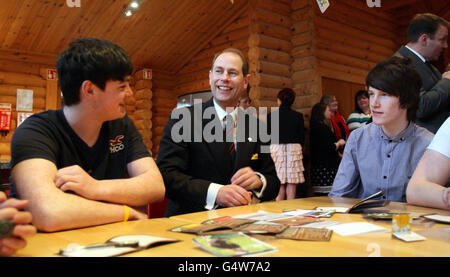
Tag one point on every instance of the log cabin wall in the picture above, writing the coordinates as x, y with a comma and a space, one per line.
350, 40
164, 101
25, 71
269, 54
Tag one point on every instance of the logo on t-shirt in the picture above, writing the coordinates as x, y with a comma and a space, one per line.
115, 145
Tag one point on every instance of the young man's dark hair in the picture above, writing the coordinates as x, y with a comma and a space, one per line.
90, 59
397, 77
287, 97
425, 23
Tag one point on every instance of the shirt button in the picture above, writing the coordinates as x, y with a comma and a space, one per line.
388, 155
384, 177
384, 197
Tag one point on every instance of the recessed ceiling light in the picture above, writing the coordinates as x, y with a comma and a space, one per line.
132, 8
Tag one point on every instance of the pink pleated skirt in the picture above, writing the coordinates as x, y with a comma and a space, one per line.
288, 159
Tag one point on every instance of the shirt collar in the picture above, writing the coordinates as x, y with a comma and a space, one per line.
221, 113
417, 54
409, 131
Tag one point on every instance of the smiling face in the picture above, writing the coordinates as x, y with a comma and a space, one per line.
227, 80
111, 101
363, 102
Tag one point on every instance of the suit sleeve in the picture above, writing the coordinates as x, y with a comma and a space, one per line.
267, 168
173, 162
436, 99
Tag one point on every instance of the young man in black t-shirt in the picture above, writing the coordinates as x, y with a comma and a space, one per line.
72, 164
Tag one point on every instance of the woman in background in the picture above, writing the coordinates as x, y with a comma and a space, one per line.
361, 115
287, 152
325, 148
338, 123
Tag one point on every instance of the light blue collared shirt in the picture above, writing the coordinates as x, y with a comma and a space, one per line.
373, 161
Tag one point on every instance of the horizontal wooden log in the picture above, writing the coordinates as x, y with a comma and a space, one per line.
339, 67
270, 81
143, 104
303, 26
307, 88
142, 84
354, 42
270, 30
302, 51
11, 90
263, 41
263, 54
28, 57
308, 62
145, 93
343, 76
327, 55
344, 30
304, 76
303, 38
21, 79
143, 114
263, 93
19, 66
349, 51
270, 68
38, 102
193, 87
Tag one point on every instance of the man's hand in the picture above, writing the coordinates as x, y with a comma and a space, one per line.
74, 178
233, 195
247, 179
9, 209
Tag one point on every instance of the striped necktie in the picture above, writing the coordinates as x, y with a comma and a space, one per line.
229, 136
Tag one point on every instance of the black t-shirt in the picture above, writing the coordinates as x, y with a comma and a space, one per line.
47, 135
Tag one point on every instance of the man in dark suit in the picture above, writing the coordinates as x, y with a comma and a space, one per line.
202, 167
427, 38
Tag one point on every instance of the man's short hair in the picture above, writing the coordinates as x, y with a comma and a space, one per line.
327, 99
237, 52
287, 97
90, 59
396, 76
424, 23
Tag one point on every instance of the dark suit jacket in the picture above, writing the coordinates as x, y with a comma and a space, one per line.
434, 105
291, 126
189, 167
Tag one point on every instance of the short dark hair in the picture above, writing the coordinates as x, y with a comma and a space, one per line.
358, 95
424, 23
287, 97
237, 52
396, 76
90, 59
